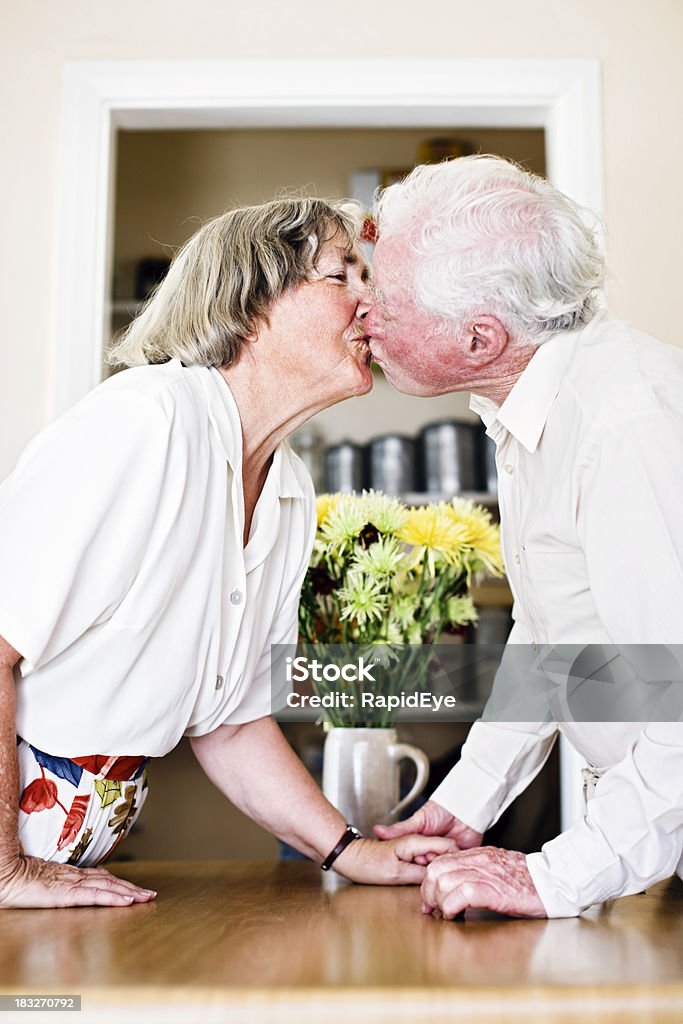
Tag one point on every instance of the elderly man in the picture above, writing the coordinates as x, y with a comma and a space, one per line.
488, 280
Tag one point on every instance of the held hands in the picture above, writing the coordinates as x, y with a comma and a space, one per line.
432, 820
31, 882
394, 862
407, 847
470, 876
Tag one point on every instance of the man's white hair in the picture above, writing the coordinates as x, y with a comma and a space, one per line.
489, 237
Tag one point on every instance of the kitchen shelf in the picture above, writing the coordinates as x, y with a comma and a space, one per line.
492, 593
427, 497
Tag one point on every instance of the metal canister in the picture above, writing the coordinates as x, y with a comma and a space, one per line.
309, 444
450, 457
391, 461
344, 467
489, 471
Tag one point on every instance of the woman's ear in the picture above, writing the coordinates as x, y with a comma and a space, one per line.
258, 324
486, 338
252, 335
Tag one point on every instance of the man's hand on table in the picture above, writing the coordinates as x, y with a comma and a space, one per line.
31, 882
394, 862
486, 878
432, 820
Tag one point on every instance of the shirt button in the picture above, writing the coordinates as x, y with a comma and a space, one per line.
509, 468
236, 597
518, 559
219, 682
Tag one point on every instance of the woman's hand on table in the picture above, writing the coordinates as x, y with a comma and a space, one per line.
391, 862
32, 882
487, 878
432, 820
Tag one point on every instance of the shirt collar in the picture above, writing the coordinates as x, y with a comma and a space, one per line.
525, 411
225, 419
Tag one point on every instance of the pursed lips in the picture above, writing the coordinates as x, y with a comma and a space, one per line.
372, 344
363, 341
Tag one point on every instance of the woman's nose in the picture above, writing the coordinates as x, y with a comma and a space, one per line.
365, 300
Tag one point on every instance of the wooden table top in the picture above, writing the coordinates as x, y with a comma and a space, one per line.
262, 941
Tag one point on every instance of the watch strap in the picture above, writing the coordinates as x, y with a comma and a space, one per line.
350, 834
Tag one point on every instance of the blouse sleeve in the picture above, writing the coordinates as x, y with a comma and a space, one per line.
75, 517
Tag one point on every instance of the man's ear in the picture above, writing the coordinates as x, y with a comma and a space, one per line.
486, 338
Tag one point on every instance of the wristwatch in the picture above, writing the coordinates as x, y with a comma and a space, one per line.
348, 837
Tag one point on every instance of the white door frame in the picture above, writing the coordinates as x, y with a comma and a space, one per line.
561, 96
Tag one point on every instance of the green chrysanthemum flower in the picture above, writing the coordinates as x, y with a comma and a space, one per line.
461, 610
414, 633
362, 599
382, 558
387, 514
344, 523
404, 610
395, 633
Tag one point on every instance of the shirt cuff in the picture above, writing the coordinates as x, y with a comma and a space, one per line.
469, 793
575, 870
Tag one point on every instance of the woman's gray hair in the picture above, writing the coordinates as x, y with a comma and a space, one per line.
224, 280
489, 237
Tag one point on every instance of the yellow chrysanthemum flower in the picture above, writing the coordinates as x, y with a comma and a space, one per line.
430, 530
325, 504
478, 532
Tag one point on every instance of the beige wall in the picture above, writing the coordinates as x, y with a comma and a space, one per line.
638, 42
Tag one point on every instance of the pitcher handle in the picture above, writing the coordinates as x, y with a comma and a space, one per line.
399, 751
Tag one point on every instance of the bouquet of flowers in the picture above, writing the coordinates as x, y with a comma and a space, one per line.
383, 576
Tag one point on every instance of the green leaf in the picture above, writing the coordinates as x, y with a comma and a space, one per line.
108, 791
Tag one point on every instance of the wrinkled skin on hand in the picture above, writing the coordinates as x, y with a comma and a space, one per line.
486, 878
432, 820
31, 882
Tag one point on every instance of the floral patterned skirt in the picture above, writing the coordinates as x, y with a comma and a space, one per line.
76, 811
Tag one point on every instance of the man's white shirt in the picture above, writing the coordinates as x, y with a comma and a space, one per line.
589, 449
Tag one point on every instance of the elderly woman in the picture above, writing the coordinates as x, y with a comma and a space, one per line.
153, 542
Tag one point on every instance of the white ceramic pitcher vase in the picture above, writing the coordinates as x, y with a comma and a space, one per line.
361, 775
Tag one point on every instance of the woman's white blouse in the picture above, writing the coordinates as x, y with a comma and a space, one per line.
125, 585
